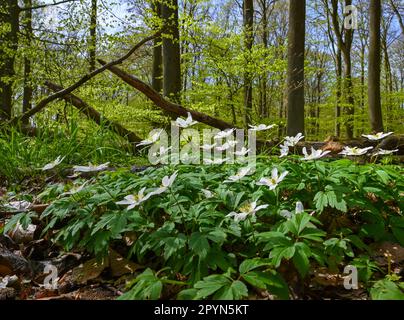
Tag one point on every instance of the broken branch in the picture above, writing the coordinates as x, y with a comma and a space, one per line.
161, 102
79, 83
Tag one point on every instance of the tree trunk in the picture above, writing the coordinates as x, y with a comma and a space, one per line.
296, 52
157, 72
264, 100
339, 94
248, 22
375, 108
9, 16
27, 95
93, 35
171, 51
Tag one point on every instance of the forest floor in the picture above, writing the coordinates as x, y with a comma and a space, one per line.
31, 261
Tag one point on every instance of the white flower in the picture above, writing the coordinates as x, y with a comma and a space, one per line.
287, 214
208, 147
315, 154
185, 123
377, 136
18, 205
217, 161
207, 193
134, 200
284, 151
166, 183
249, 209
91, 168
382, 152
275, 179
292, 141
355, 151
243, 152
224, 134
262, 127
75, 189
161, 152
227, 145
239, 175
53, 164
151, 140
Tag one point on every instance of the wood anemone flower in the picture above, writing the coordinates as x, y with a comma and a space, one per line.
245, 211
378, 136
275, 179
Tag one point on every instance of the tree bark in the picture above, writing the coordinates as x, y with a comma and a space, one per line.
375, 108
9, 21
170, 107
344, 41
157, 69
94, 115
93, 35
296, 53
248, 22
27, 95
171, 51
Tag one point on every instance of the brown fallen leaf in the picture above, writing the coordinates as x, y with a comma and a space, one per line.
120, 266
89, 270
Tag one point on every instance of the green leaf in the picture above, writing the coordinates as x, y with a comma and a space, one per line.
280, 253
320, 200
236, 291
187, 294
386, 290
251, 264
199, 244
209, 285
301, 261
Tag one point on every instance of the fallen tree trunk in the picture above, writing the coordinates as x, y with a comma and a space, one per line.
94, 115
161, 102
42, 104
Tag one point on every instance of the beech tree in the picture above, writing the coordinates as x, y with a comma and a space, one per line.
375, 108
296, 54
171, 51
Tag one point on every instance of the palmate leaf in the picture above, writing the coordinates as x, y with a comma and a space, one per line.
236, 291
209, 285
251, 264
279, 253
321, 201
199, 244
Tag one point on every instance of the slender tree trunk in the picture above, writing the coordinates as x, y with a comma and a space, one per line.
248, 18
157, 72
339, 94
27, 95
264, 79
362, 58
375, 108
9, 21
296, 52
398, 15
171, 51
93, 35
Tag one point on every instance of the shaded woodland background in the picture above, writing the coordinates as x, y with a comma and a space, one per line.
228, 59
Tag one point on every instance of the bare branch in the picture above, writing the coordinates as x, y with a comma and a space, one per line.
46, 5
79, 83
